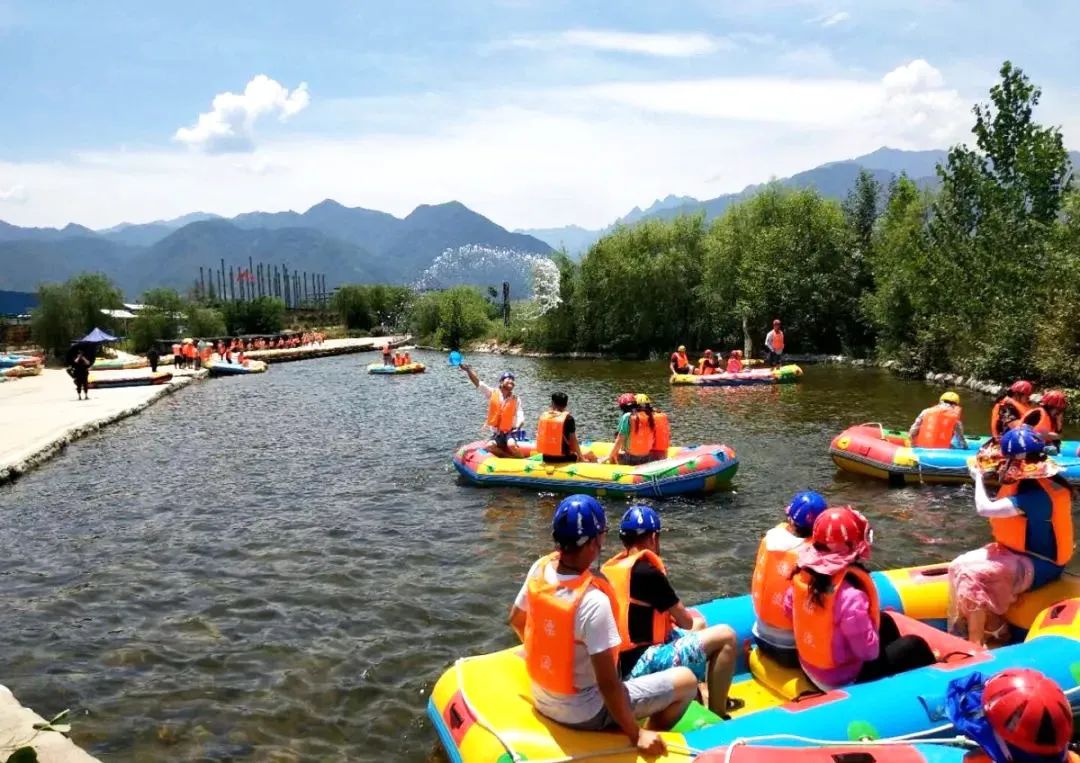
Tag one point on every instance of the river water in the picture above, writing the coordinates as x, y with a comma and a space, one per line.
279, 567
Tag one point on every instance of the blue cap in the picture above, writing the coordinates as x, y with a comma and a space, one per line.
805, 508
504, 376
1021, 441
640, 519
578, 519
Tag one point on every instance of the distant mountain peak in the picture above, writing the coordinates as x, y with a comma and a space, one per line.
327, 204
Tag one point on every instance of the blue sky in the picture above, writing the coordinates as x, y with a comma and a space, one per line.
535, 113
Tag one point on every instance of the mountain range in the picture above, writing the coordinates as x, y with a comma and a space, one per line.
348, 245
353, 244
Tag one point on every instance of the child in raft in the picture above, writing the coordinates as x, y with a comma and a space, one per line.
777, 558
840, 633
734, 362
1031, 521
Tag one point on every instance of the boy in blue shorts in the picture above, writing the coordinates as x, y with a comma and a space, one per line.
658, 632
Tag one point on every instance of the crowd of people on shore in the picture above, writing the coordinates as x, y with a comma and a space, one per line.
713, 363
195, 353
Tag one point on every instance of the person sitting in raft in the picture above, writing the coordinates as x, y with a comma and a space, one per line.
1009, 411
1018, 715
707, 364
658, 632
841, 635
1048, 417
777, 558
556, 434
504, 415
1031, 521
774, 344
564, 615
680, 363
734, 362
637, 441
940, 426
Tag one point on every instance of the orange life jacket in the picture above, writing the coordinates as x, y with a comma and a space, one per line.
662, 432
996, 429
772, 577
1011, 532
549, 626
641, 434
206, 353
938, 424
501, 413
680, 360
617, 570
1039, 419
734, 365
549, 433
814, 624
707, 366
778, 341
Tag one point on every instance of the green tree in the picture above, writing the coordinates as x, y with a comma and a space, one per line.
262, 315
90, 294
53, 322
205, 322
353, 305
451, 317
990, 230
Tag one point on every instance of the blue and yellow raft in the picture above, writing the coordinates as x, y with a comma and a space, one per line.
482, 709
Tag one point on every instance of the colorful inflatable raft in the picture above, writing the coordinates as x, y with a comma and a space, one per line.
873, 451
691, 469
120, 364
889, 752
18, 372
221, 368
780, 375
104, 381
411, 368
482, 707
20, 361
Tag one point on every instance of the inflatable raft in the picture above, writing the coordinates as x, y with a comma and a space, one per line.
482, 706
221, 368
120, 364
890, 752
411, 368
690, 469
18, 372
20, 361
887, 454
104, 381
779, 375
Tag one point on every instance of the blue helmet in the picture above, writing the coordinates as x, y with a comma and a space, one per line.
1022, 441
640, 519
805, 508
578, 519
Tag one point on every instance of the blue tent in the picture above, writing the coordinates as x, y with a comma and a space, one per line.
97, 336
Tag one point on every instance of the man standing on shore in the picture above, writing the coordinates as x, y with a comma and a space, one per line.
774, 344
80, 372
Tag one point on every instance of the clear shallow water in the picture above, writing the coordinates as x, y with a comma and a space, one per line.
279, 567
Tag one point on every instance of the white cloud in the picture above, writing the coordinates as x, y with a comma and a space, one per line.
834, 18
669, 45
15, 194
230, 125
524, 158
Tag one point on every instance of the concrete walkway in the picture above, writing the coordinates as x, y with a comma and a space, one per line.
41, 414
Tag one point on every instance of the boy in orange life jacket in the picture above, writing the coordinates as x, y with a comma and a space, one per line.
504, 415
940, 426
564, 616
648, 609
777, 558
1009, 410
708, 364
556, 434
734, 363
679, 363
1031, 521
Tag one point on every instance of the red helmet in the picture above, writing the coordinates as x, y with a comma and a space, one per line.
843, 530
1021, 388
1028, 711
1054, 398
626, 398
